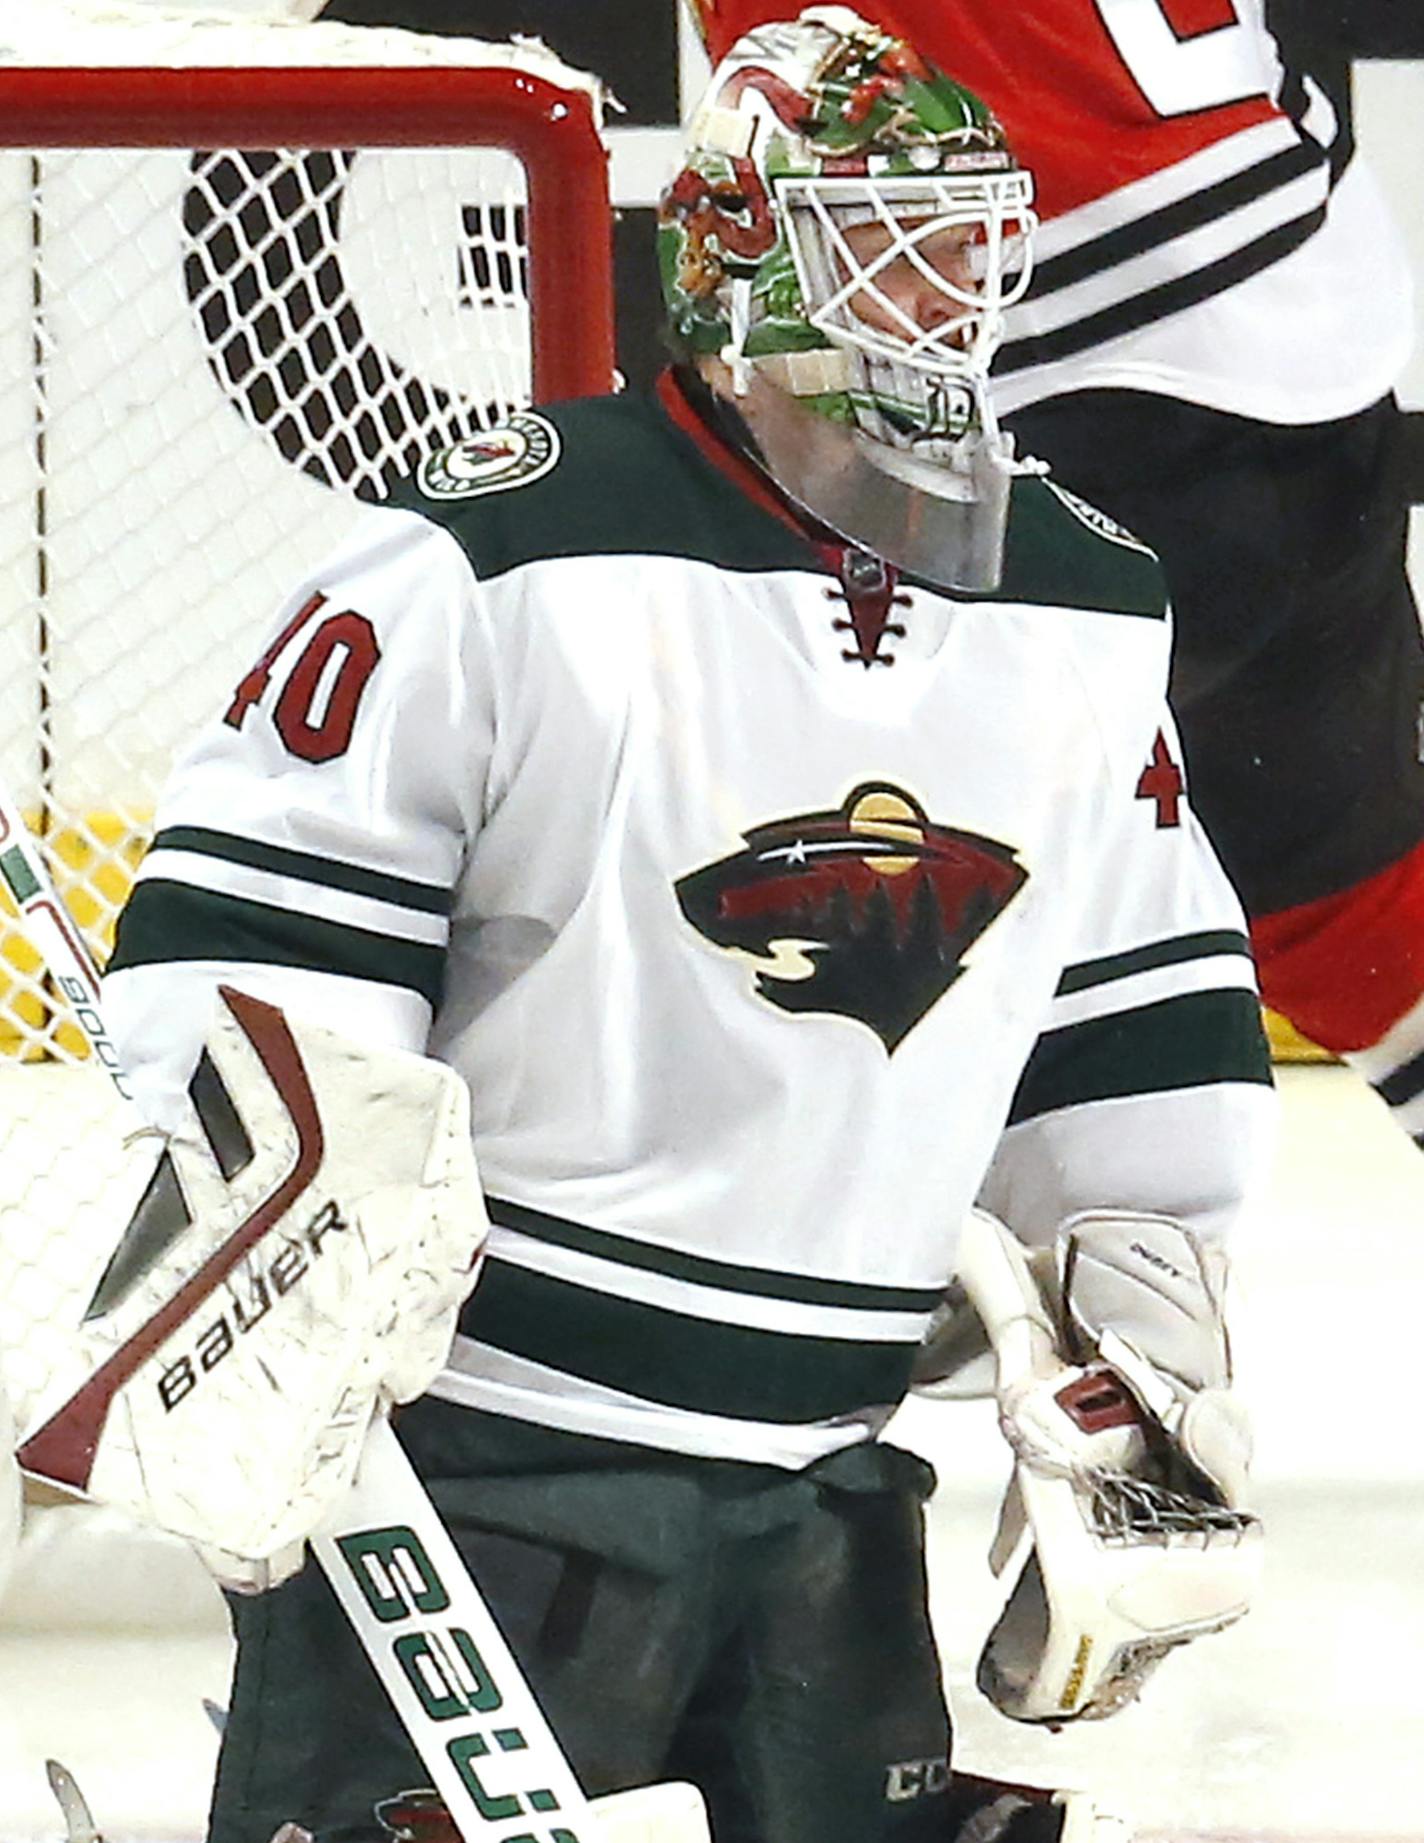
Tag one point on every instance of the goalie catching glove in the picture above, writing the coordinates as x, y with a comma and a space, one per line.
294, 1264
1124, 1513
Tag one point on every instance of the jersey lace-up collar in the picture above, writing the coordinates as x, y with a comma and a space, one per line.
867, 584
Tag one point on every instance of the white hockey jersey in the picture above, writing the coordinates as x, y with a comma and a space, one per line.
768, 928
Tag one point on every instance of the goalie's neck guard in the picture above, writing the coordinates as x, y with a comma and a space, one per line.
943, 519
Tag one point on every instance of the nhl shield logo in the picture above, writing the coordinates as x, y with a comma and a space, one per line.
864, 912
512, 454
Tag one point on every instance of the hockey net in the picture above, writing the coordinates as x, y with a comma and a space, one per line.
250, 273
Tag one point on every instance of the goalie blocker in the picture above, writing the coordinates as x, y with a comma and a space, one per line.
294, 1262
1123, 1527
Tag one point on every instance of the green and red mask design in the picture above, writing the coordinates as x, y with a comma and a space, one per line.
809, 127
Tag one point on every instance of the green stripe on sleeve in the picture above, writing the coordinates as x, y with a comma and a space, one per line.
282, 861
165, 921
1173, 952
1190, 1041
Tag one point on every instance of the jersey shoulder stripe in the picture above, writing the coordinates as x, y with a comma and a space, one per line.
1167, 222
1161, 301
626, 481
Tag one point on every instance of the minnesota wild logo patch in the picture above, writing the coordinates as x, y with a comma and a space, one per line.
513, 453
866, 911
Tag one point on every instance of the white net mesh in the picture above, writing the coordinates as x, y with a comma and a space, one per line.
203, 355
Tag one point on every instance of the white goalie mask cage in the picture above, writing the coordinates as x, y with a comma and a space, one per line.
964, 236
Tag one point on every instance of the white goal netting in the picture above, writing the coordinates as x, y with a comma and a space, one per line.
246, 272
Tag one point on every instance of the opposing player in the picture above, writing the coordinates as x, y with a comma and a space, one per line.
1194, 357
761, 796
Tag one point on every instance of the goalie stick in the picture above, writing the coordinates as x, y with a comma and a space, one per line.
390, 1561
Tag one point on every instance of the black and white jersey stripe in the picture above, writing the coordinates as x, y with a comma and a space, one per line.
1394, 1068
1402, 1091
1177, 237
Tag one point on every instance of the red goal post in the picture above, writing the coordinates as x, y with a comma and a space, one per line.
550, 129
295, 257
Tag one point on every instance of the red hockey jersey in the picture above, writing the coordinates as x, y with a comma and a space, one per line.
1193, 240
1093, 93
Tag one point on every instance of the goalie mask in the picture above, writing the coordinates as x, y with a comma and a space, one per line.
845, 234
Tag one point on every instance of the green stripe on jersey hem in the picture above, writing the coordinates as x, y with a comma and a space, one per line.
282, 861
165, 921
1182, 947
1190, 1041
698, 1365
765, 1282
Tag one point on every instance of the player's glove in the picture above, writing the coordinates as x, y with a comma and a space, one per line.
293, 1265
1124, 1515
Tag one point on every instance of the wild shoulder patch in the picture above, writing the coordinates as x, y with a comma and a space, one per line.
1098, 522
513, 453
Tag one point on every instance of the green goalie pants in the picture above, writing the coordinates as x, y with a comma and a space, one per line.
763, 1634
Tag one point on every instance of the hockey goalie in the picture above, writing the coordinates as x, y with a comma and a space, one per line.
294, 1259
767, 888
